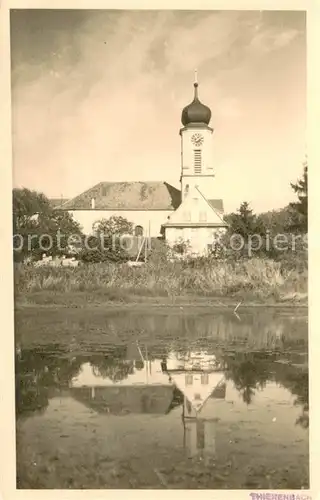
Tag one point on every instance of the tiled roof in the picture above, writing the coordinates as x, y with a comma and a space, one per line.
216, 204
56, 202
127, 196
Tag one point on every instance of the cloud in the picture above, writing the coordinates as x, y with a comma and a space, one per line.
269, 40
95, 99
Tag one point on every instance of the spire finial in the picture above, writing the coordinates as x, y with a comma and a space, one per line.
195, 84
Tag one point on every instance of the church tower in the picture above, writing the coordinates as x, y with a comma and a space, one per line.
196, 148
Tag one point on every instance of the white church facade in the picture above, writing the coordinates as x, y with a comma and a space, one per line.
191, 215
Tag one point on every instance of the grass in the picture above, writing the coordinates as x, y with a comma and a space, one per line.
255, 279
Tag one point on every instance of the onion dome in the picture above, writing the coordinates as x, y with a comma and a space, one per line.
196, 112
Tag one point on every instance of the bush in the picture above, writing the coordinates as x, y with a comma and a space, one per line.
112, 251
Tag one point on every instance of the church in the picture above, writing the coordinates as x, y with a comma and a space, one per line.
189, 215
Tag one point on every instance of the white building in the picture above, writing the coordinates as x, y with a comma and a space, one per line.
191, 215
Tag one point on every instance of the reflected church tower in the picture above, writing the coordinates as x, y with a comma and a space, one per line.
199, 435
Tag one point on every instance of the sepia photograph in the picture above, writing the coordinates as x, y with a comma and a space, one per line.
160, 250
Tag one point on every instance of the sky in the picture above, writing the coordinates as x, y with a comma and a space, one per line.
97, 96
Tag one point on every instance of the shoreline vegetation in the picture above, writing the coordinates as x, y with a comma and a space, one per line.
251, 282
267, 266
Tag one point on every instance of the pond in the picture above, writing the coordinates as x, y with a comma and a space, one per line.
159, 400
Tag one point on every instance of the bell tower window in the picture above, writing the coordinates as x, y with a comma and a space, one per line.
197, 161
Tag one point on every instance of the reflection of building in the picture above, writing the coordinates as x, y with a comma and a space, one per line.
197, 375
200, 437
146, 390
200, 360
199, 434
126, 399
147, 372
197, 387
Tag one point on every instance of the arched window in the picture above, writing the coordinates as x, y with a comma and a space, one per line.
138, 231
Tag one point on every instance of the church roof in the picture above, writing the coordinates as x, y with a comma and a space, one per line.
216, 205
127, 196
196, 113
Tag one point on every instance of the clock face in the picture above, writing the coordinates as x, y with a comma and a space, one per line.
197, 139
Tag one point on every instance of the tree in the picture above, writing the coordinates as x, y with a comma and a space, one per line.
114, 226
299, 209
244, 222
276, 221
106, 243
26, 204
241, 225
38, 228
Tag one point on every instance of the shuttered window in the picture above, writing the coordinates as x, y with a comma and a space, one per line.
197, 161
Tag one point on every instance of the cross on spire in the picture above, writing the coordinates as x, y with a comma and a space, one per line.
195, 76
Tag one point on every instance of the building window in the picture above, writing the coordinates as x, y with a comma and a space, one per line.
189, 379
203, 216
104, 191
138, 231
197, 161
204, 379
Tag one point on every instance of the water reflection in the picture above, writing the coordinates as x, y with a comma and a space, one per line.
131, 379
184, 393
248, 374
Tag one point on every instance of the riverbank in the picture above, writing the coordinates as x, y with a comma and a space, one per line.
81, 300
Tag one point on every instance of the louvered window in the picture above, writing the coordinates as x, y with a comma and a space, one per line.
197, 161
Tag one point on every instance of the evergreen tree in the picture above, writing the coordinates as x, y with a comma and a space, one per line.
244, 222
299, 209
